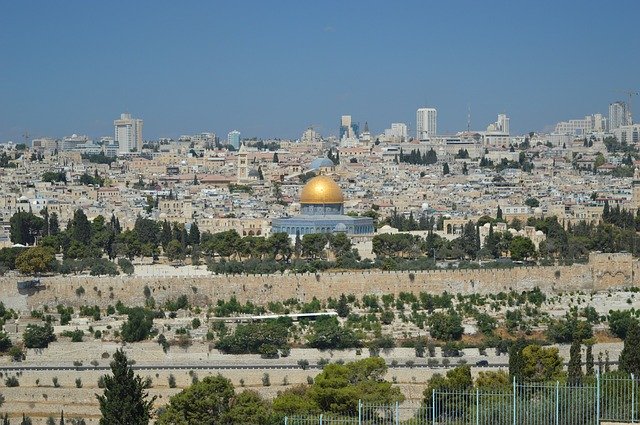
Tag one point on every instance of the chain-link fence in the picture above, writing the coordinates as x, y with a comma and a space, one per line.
613, 397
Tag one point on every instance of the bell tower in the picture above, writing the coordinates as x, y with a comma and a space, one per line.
243, 165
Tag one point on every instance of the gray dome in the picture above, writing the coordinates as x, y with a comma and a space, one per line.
321, 163
253, 173
340, 227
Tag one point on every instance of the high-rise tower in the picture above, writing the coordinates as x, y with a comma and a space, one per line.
128, 133
426, 123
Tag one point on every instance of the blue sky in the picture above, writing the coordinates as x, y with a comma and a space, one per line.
271, 68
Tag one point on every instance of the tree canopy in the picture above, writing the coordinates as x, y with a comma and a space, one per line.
125, 400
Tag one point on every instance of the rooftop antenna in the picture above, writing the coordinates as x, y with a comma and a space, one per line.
26, 137
468, 117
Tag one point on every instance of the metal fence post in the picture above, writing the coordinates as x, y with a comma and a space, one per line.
514, 402
477, 406
633, 396
359, 412
557, 402
397, 414
286, 420
320, 418
433, 406
598, 397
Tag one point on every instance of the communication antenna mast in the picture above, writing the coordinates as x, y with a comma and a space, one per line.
26, 137
468, 117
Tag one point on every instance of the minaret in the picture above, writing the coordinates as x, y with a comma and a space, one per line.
243, 165
635, 185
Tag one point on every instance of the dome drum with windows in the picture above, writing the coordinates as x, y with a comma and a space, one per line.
322, 211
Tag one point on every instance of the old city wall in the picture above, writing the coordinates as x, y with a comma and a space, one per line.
603, 272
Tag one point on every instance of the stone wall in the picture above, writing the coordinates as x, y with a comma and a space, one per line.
603, 272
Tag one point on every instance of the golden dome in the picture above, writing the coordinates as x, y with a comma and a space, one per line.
321, 190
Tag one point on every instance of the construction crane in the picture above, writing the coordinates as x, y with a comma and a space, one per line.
630, 93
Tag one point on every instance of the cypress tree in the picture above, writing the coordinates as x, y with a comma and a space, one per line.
62, 417
630, 355
516, 362
124, 401
194, 234
589, 360
575, 363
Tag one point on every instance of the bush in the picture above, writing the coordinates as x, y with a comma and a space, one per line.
126, 266
266, 381
102, 266
78, 383
55, 382
172, 381
446, 326
268, 351
138, 324
36, 336
76, 336
303, 363
195, 323
12, 381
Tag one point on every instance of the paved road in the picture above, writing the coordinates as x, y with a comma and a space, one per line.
24, 368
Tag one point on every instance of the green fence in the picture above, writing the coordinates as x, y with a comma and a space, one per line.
614, 398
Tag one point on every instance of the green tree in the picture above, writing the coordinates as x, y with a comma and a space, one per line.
521, 248
328, 334
541, 364
516, 361
25, 227
313, 245
343, 307
445, 326
125, 400
80, 227
206, 402
456, 381
138, 325
175, 251
194, 234
37, 336
339, 386
445, 169
493, 379
248, 408
620, 322
630, 355
574, 370
532, 202
36, 260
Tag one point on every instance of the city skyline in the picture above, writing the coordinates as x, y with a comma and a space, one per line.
272, 72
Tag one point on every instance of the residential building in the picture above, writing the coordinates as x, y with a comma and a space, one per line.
619, 115
128, 133
426, 123
233, 139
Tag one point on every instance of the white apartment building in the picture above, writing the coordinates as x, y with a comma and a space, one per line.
500, 126
628, 133
233, 139
590, 124
619, 115
426, 123
128, 133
